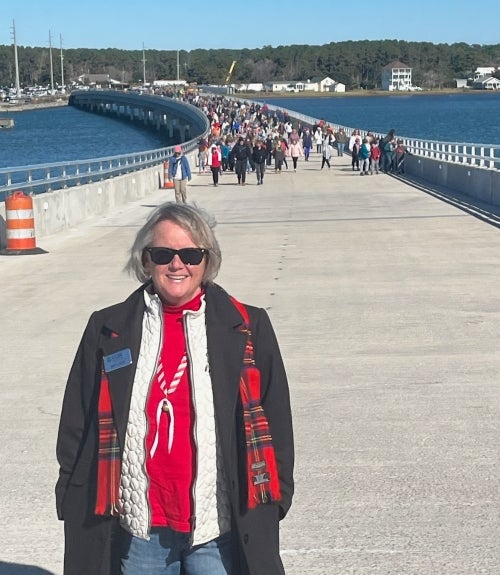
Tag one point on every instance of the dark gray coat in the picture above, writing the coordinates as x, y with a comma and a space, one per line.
91, 543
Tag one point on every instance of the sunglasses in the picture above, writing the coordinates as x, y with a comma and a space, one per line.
188, 256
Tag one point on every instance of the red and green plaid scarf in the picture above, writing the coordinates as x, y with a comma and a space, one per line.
262, 471
108, 458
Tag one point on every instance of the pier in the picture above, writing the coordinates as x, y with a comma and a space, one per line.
385, 303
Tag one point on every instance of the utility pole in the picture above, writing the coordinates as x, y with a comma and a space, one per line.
18, 86
177, 65
143, 65
51, 66
62, 62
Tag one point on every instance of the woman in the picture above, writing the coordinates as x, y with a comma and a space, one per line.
164, 468
279, 157
326, 153
364, 157
295, 150
355, 151
215, 163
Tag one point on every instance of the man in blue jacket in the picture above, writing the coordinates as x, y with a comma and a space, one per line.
180, 172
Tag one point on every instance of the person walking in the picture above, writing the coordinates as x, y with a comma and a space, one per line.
326, 153
240, 153
179, 171
175, 439
364, 157
307, 143
215, 163
202, 155
355, 149
318, 139
259, 157
341, 139
279, 157
295, 150
374, 157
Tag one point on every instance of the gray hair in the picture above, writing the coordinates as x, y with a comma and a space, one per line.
196, 221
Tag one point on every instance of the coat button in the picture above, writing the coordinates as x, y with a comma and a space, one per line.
245, 538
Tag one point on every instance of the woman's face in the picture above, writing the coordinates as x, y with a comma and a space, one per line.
176, 283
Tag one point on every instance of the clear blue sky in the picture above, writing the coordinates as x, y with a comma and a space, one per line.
192, 24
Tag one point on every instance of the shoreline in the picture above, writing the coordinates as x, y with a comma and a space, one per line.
362, 93
8, 107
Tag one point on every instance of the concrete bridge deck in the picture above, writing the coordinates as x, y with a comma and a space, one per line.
386, 304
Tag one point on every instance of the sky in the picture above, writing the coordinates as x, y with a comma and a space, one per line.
203, 24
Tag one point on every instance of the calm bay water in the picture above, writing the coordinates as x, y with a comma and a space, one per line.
471, 117
66, 134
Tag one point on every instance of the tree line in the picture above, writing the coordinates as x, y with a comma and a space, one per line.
357, 64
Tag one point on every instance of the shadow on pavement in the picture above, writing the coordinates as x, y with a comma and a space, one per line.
18, 569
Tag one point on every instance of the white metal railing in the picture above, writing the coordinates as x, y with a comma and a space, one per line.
479, 155
41, 178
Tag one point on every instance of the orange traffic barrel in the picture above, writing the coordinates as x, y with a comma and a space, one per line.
166, 183
20, 225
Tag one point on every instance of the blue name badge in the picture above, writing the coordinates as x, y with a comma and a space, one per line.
116, 360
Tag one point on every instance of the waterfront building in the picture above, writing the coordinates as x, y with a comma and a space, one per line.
486, 83
396, 76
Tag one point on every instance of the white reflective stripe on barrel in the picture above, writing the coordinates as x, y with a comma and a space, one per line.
20, 234
19, 214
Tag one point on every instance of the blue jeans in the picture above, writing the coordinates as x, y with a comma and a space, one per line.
168, 552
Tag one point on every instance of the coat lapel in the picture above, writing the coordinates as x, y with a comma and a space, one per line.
226, 348
124, 330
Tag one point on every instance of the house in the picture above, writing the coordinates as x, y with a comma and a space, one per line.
169, 83
486, 83
481, 72
283, 86
461, 82
323, 84
396, 76
99, 81
251, 87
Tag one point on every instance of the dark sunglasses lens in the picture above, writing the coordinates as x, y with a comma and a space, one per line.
191, 256
161, 256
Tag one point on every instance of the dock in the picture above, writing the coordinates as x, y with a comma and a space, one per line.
6, 123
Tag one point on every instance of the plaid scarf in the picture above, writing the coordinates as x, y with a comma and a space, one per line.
262, 471
108, 458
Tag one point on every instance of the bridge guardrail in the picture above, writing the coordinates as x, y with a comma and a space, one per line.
42, 178
470, 154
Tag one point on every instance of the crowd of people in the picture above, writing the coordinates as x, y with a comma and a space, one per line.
248, 137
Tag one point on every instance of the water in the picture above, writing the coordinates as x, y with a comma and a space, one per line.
66, 133
471, 117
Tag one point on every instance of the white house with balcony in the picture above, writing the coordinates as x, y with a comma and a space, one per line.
396, 76
483, 71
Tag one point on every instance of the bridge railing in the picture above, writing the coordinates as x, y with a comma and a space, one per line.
42, 178
479, 155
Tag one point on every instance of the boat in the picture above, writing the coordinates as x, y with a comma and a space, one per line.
6, 123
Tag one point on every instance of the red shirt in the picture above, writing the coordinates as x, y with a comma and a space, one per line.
215, 159
171, 473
